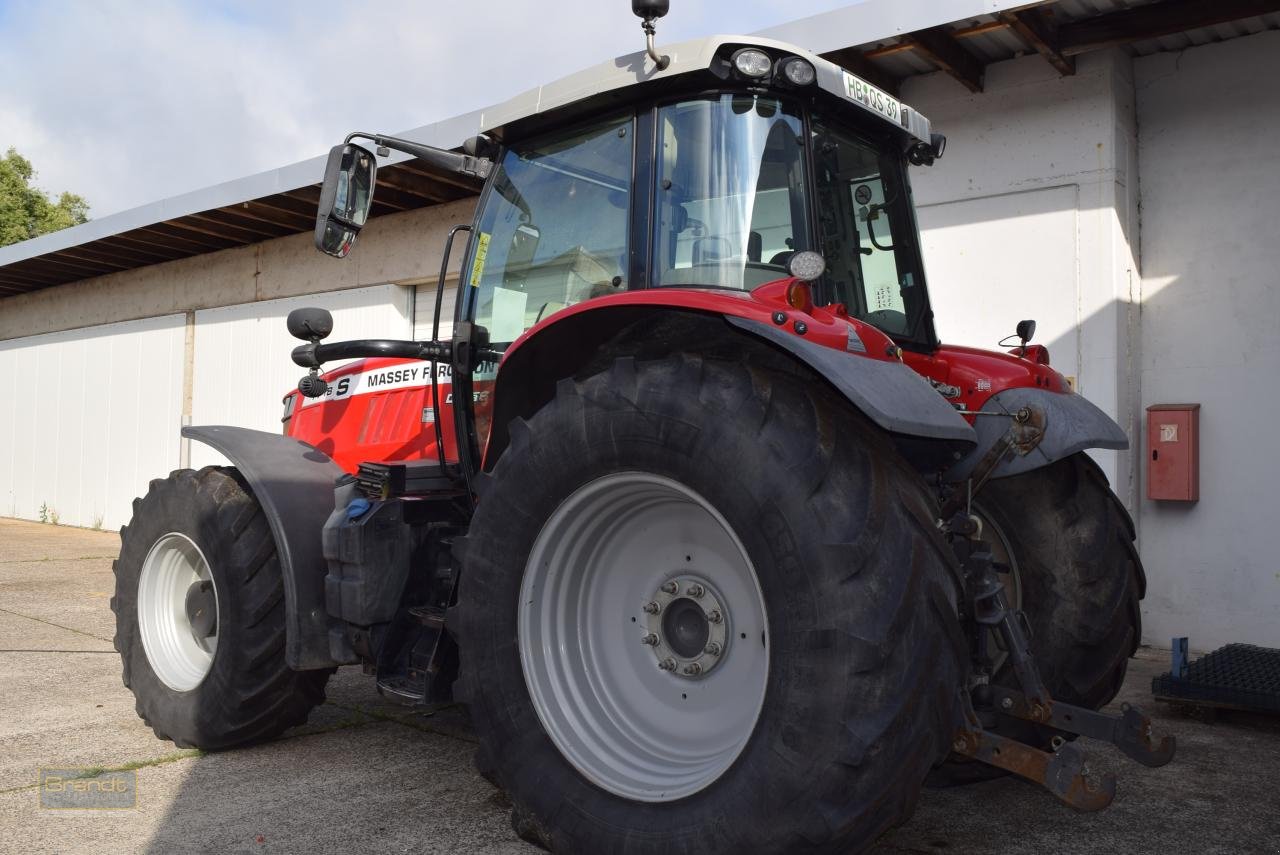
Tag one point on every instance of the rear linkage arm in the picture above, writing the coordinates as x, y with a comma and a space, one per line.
1063, 771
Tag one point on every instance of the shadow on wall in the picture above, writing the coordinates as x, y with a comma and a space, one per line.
1203, 336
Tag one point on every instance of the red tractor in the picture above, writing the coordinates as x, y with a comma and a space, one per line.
721, 548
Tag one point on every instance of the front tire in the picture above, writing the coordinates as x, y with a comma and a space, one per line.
811, 733
200, 624
1080, 575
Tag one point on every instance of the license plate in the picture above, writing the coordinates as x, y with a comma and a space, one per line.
872, 98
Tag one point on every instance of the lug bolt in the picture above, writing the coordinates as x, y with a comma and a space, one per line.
650, 639
959, 745
1007, 703
652, 608
713, 649
667, 665
714, 616
696, 591
671, 587
693, 670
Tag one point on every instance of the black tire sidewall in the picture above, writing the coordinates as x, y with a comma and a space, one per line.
1079, 575
720, 458
211, 508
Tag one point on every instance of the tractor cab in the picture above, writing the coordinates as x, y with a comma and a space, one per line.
711, 178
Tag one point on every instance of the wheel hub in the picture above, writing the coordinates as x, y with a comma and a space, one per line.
202, 609
687, 626
178, 612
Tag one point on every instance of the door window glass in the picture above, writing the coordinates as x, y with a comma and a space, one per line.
554, 229
869, 234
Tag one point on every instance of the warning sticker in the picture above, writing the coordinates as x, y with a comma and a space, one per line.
482, 251
1169, 433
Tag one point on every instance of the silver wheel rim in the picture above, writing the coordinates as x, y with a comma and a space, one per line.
601, 687
1001, 553
175, 651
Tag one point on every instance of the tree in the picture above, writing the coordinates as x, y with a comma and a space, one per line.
25, 211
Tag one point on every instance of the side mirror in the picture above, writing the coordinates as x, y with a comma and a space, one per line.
649, 9
345, 198
309, 323
1026, 329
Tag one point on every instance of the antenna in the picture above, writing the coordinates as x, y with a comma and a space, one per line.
649, 11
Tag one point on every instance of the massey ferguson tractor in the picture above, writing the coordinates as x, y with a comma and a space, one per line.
721, 548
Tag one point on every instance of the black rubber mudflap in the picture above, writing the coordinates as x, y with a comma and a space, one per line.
1238, 676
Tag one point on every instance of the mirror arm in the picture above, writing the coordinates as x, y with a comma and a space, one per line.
449, 161
314, 355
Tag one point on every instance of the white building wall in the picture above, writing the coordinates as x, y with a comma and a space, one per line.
1027, 216
1210, 177
241, 364
89, 418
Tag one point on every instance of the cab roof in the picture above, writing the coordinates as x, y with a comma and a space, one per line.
687, 58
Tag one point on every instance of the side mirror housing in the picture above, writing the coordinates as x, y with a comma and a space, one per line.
309, 323
650, 9
345, 198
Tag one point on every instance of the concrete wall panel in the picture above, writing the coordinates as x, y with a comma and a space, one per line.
94, 416
404, 248
1210, 177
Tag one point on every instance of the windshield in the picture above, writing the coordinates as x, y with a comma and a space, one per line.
869, 236
729, 200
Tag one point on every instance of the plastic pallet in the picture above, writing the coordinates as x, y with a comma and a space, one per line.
1238, 676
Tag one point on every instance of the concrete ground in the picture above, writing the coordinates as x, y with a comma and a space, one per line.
363, 775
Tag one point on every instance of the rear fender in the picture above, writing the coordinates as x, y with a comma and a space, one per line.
889, 393
293, 482
1070, 422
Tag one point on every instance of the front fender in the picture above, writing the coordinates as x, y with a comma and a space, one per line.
293, 482
1071, 424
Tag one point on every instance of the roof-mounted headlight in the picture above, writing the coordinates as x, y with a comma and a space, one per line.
751, 62
798, 72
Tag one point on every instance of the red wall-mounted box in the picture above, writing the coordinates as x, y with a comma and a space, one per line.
1173, 452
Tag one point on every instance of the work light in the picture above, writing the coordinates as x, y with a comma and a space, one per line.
798, 71
752, 63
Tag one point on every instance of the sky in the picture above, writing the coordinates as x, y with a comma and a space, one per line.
129, 102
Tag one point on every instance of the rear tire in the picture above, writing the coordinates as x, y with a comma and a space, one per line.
865, 657
1081, 581
217, 691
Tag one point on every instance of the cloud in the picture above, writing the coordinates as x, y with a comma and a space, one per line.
129, 102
